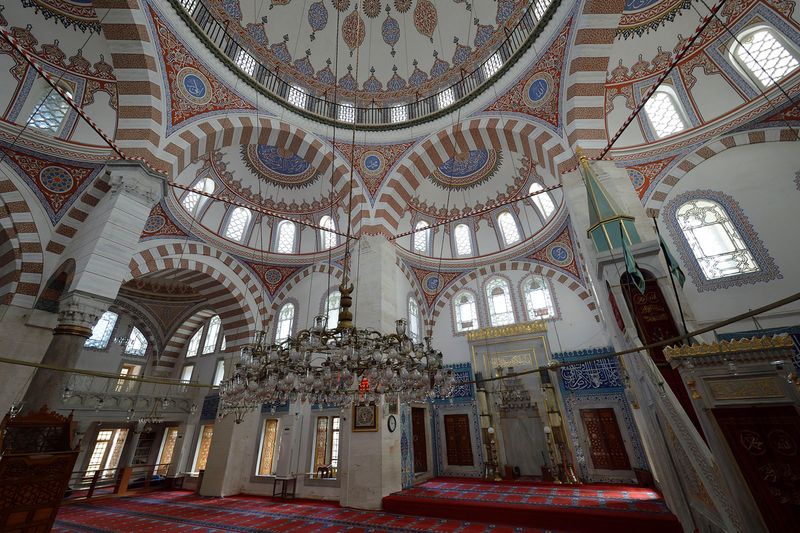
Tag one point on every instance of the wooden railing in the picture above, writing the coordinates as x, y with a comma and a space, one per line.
86, 484
397, 114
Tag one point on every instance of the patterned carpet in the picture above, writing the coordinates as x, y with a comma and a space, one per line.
184, 511
617, 498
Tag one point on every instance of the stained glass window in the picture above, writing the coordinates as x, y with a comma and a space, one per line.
194, 343
203, 446
99, 452
285, 322
463, 240
332, 305
245, 61
446, 98
764, 55
101, 332
167, 450
508, 228
498, 295
413, 319
211, 337
420, 237
269, 440
398, 113
492, 65
327, 237
714, 240
193, 201
297, 97
186, 373
49, 111
286, 237
347, 113
662, 110
466, 312
538, 302
321, 443
137, 343
219, 373
335, 442
542, 201
237, 223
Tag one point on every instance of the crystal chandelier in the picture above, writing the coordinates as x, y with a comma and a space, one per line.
335, 367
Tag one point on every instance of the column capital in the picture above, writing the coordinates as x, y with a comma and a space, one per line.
137, 181
78, 313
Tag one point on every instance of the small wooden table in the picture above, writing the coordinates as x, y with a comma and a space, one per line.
287, 487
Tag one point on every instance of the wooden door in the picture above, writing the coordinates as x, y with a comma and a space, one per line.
457, 440
605, 440
418, 439
765, 441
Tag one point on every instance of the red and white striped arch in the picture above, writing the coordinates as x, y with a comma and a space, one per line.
179, 338
485, 132
21, 257
228, 286
584, 97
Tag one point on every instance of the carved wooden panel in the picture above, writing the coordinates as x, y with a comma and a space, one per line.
766, 444
420, 443
605, 440
457, 440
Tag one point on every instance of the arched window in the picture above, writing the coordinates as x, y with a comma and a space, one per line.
286, 237
662, 111
49, 111
413, 319
193, 201
327, 237
211, 337
508, 228
137, 343
543, 201
237, 224
285, 321
101, 332
332, 305
538, 302
194, 343
463, 240
762, 54
498, 295
714, 240
421, 237
465, 311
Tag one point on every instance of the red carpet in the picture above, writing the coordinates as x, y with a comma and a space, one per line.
565, 507
184, 511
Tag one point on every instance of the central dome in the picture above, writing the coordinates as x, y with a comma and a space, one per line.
387, 49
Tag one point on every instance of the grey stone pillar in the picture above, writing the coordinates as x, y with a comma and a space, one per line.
76, 315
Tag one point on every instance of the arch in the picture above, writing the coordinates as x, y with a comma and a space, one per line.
186, 327
654, 200
22, 257
58, 284
515, 135
532, 267
229, 287
133, 56
213, 133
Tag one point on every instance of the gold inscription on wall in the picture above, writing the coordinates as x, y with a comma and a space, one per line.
515, 360
745, 388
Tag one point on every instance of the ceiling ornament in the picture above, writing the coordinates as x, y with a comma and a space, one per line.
341, 5
278, 167
372, 8
317, 18
559, 253
643, 176
402, 6
641, 16
434, 283
373, 162
274, 276
353, 31
425, 18
390, 31
194, 91
536, 94
77, 13
467, 170
160, 224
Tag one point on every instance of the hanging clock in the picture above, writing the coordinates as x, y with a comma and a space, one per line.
391, 423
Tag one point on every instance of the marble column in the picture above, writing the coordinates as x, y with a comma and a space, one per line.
76, 315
